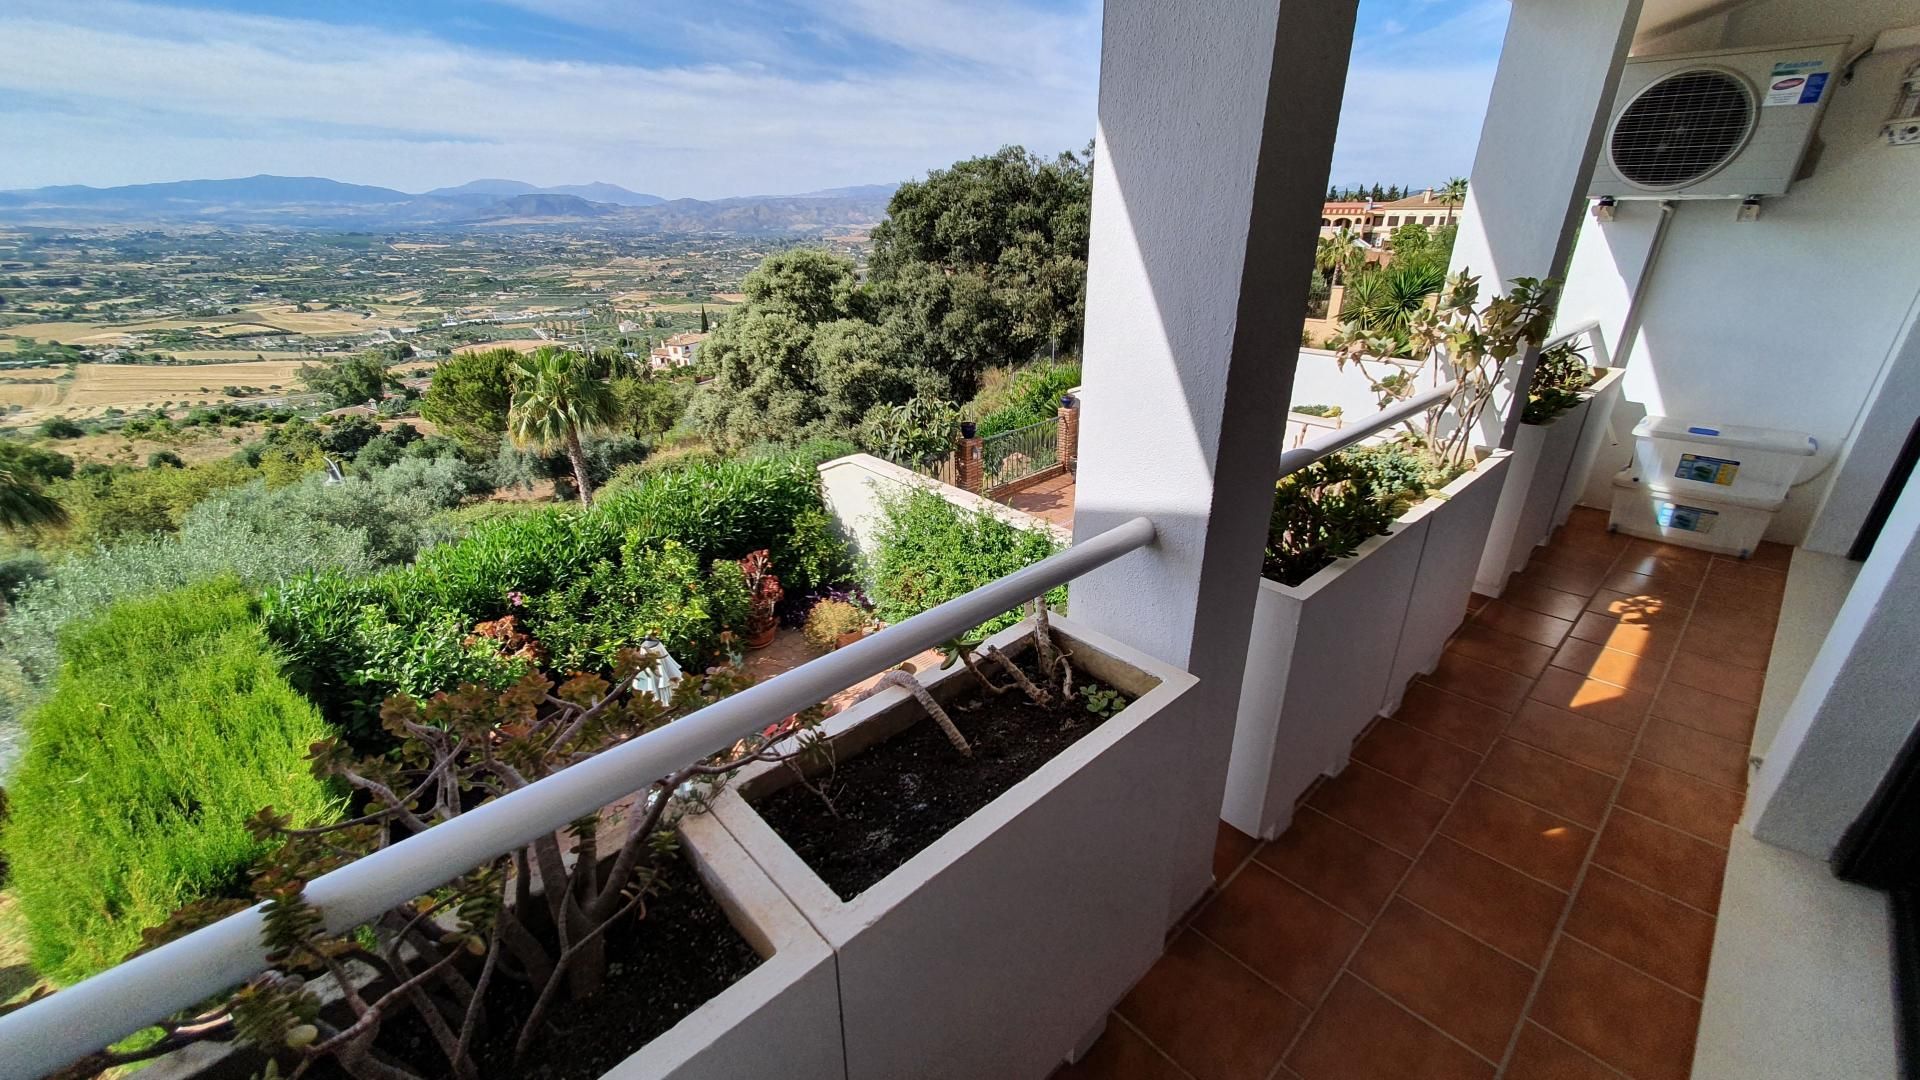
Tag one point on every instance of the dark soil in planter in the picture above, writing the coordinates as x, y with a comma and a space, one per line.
660, 969
896, 798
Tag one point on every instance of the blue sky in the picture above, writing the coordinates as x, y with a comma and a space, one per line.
703, 99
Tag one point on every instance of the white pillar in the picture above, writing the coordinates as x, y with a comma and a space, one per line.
1216, 137
1545, 122
1857, 706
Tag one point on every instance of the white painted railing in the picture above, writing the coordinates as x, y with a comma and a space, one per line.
1597, 355
80, 1019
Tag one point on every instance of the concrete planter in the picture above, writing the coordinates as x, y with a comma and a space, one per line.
782, 1019
1319, 662
998, 949
1523, 519
1458, 517
1595, 435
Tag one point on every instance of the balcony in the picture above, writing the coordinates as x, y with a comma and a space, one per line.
1593, 838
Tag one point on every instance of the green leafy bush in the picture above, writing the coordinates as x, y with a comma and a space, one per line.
1324, 512
928, 551
830, 620
1558, 378
1030, 396
119, 504
653, 591
59, 427
168, 728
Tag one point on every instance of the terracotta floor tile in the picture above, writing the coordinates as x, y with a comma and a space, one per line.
1121, 1054
1772, 556
1573, 579
1542, 1055
1738, 683
1230, 848
1452, 981
1645, 929
1359, 1034
1451, 717
1548, 781
1709, 757
1655, 641
1522, 623
1547, 601
1586, 742
1734, 574
1663, 859
1476, 601
1624, 579
1213, 1017
1484, 683
1613, 705
1628, 607
1586, 555
1640, 548
1617, 1014
1723, 602
1747, 629
1395, 814
1706, 711
1433, 765
1523, 837
1490, 646
1295, 941
1500, 906
1666, 571
1744, 650
1335, 863
1611, 666
1683, 801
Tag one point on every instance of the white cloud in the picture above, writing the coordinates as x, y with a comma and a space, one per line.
123, 91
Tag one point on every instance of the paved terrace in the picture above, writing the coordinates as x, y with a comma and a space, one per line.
1518, 874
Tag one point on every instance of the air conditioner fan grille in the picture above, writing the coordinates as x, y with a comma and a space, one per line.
1681, 129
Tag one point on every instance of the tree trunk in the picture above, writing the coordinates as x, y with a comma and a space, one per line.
578, 457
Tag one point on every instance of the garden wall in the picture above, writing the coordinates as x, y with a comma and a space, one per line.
854, 486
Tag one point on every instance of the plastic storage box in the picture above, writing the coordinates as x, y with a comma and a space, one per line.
1707, 486
1716, 461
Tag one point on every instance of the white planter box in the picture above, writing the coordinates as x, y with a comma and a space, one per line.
1319, 660
1596, 435
1525, 517
1458, 519
998, 949
782, 1019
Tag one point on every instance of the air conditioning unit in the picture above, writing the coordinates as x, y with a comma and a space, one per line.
1716, 125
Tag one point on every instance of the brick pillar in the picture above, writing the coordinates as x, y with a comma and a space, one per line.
1067, 437
972, 468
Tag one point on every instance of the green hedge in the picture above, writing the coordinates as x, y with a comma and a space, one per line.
928, 551
352, 641
168, 727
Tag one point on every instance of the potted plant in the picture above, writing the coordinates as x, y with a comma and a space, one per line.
835, 624
641, 941
985, 847
1371, 557
763, 589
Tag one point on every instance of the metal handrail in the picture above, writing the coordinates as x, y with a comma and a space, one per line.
82, 1018
1591, 328
1332, 442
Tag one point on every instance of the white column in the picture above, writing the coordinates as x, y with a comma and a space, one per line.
1857, 706
1216, 137
1545, 122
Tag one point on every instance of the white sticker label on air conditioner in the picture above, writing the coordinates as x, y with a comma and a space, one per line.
1797, 82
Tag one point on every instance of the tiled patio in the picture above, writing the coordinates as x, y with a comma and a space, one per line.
1518, 873
1051, 499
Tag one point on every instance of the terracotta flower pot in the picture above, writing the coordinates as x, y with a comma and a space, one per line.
760, 633
849, 638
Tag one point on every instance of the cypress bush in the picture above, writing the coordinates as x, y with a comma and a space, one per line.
168, 727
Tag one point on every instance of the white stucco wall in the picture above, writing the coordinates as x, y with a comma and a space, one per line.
1792, 321
1318, 380
855, 486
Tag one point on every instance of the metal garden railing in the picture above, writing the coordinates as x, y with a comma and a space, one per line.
1018, 454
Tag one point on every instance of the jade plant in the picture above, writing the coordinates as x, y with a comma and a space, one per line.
1469, 343
537, 917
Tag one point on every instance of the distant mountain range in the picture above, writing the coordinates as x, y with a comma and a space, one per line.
316, 202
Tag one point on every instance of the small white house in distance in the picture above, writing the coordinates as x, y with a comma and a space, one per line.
675, 352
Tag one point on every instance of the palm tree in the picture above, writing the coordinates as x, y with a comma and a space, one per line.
1384, 302
24, 506
1336, 256
556, 399
1453, 196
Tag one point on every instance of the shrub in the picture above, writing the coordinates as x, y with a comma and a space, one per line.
349, 435
110, 505
928, 551
830, 620
1559, 376
168, 728
653, 591
44, 466
59, 427
1030, 396
165, 459
1324, 512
